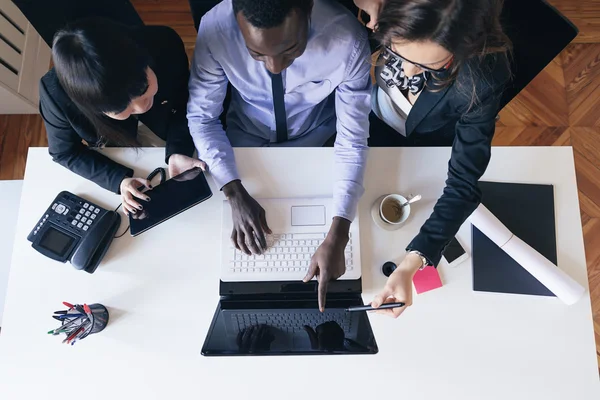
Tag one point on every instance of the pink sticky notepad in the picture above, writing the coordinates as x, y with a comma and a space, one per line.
427, 279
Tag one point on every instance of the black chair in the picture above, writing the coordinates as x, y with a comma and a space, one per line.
48, 16
539, 33
201, 7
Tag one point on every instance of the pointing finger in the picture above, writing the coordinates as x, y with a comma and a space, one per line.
323, 283
312, 271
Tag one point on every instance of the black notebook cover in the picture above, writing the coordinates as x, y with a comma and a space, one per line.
528, 211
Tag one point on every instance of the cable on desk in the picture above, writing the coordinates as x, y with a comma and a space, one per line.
163, 177
126, 229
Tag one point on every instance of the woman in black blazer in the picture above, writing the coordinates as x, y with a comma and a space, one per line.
440, 74
106, 78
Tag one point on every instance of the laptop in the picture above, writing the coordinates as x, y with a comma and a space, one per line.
170, 198
267, 310
278, 324
299, 227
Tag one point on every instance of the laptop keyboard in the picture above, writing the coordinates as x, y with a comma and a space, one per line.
286, 253
291, 321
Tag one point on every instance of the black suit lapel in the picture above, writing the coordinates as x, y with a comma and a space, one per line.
423, 106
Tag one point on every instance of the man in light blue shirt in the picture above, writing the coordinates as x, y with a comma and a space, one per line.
299, 72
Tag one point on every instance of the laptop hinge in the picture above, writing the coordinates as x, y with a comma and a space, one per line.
290, 289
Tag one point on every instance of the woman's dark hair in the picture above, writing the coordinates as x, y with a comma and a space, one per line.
102, 68
468, 29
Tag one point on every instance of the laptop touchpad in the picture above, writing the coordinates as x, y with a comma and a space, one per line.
308, 215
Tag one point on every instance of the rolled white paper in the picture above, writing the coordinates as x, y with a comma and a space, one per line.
555, 279
490, 226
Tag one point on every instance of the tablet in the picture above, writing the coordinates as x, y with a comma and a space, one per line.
169, 199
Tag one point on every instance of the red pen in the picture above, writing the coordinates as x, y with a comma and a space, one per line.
79, 336
88, 311
69, 338
68, 304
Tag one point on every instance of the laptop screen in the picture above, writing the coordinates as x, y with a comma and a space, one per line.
291, 328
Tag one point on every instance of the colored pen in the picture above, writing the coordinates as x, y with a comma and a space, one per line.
55, 332
67, 316
78, 336
68, 304
87, 310
70, 337
68, 324
61, 312
385, 306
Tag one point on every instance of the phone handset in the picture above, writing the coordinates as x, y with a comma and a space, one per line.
95, 244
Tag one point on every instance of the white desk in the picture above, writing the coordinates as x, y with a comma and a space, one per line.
10, 197
162, 289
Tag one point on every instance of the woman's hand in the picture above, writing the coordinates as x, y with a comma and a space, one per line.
178, 164
371, 7
398, 288
130, 190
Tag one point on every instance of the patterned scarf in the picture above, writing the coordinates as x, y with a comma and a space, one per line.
392, 74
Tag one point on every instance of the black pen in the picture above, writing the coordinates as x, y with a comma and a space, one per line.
371, 308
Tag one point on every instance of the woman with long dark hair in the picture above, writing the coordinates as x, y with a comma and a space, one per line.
106, 79
441, 70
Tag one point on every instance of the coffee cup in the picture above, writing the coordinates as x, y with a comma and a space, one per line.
387, 212
391, 210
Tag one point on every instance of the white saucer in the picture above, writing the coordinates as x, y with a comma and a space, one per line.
379, 222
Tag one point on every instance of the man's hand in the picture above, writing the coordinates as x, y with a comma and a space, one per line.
249, 220
328, 336
398, 288
371, 7
178, 163
129, 193
328, 262
255, 339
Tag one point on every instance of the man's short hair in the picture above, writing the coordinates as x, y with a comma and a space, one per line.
265, 14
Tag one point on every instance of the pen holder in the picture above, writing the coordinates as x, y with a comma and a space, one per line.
99, 316
80, 321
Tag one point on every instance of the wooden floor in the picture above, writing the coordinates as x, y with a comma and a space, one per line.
561, 107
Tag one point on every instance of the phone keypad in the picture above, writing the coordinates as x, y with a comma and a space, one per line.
72, 212
84, 215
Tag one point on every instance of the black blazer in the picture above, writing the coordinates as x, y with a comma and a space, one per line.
446, 118
66, 126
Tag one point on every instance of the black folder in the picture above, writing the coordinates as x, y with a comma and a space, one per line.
528, 211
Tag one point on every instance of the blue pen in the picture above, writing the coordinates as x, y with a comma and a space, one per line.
66, 316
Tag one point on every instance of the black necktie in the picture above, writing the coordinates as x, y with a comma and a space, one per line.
279, 107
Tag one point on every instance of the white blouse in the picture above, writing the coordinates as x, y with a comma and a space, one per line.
393, 109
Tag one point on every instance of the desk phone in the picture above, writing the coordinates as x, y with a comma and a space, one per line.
75, 229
